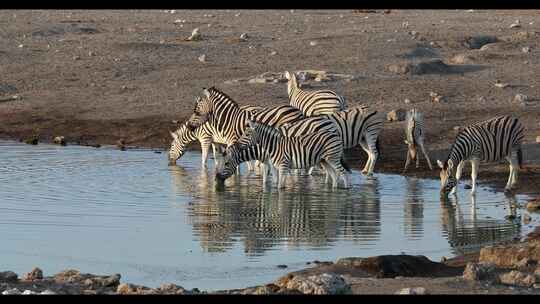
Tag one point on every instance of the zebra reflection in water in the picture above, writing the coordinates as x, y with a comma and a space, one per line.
261, 220
413, 213
467, 234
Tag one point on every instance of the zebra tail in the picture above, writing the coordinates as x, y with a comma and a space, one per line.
345, 165
520, 157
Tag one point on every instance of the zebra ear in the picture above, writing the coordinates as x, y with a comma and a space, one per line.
287, 75
173, 135
441, 165
206, 92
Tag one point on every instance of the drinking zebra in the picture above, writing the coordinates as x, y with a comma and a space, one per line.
486, 141
313, 103
227, 121
184, 136
287, 153
414, 138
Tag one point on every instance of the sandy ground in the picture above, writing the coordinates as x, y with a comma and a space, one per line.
101, 76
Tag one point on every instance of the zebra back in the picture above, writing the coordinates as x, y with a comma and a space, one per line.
278, 116
308, 125
315, 102
490, 140
355, 124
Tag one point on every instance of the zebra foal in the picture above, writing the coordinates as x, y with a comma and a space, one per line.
414, 138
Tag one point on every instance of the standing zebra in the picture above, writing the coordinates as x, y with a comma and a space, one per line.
184, 136
227, 121
313, 103
358, 126
414, 137
298, 152
486, 141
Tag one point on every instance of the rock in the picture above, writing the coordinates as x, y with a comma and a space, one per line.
526, 219
519, 36
520, 98
399, 69
479, 272
390, 266
462, 59
396, 115
237, 15
34, 140
90, 53
171, 289
526, 49
47, 292
202, 58
76, 57
195, 35
316, 284
35, 274
59, 140
534, 204
8, 277
121, 144
510, 255
517, 278
515, 24
282, 266
477, 42
412, 291
244, 36
435, 97
273, 53
12, 291
500, 84
313, 43
257, 80
68, 276
29, 292
407, 101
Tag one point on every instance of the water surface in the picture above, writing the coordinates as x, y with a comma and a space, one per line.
107, 211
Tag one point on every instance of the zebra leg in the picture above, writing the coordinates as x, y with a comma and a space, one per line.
407, 162
364, 146
205, 147
283, 172
250, 165
514, 167
372, 143
331, 172
217, 156
459, 170
474, 174
425, 154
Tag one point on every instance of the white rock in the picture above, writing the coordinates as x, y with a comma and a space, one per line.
407, 100
13, 291
405, 24
195, 35
173, 11
202, 58
47, 292
499, 84
237, 15
520, 98
244, 36
526, 49
515, 24
29, 292
313, 43
412, 291
21, 45
177, 21
470, 11
273, 53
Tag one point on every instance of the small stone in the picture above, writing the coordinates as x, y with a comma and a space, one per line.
517, 278
533, 205
48, 292
273, 53
520, 98
12, 291
405, 24
257, 80
29, 292
90, 53
435, 97
123, 289
462, 59
237, 15
313, 43
59, 140
399, 68
244, 36
526, 49
36, 273
76, 57
479, 272
172, 11
413, 33
515, 24
396, 115
470, 11
526, 219
202, 58
195, 35
500, 84
412, 291
407, 101
21, 45
281, 266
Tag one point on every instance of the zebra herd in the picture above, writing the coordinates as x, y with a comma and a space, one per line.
314, 129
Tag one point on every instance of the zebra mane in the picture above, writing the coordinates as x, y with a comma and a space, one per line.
266, 129
216, 94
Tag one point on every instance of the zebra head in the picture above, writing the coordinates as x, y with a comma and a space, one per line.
292, 81
181, 138
229, 162
201, 112
448, 179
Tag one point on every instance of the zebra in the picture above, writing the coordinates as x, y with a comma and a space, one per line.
487, 141
227, 120
184, 136
360, 126
236, 154
414, 137
313, 103
286, 153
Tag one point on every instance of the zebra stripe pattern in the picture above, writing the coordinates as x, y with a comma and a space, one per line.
299, 152
313, 103
414, 138
487, 141
183, 136
358, 126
